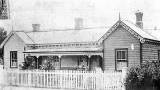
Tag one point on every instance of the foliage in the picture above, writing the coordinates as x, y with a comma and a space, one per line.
29, 63
3, 34
1, 61
47, 65
144, 77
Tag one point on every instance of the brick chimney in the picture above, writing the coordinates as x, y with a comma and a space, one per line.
139, 16
78, 23
36, 27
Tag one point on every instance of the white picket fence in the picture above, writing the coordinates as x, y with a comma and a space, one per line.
65, 79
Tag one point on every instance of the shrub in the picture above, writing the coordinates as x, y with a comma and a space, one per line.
47, 65
29, 63
143, 77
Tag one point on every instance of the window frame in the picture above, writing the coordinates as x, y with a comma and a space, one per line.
11, 60
80, 60
121, 49
158, 55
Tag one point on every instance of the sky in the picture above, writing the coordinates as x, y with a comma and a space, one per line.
60, 14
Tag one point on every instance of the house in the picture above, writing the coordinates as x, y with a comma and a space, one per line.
122, 45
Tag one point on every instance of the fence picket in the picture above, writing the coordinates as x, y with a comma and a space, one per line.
65, 79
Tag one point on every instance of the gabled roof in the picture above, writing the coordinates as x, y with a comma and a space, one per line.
6, 39
67, 36
83, 35
59, 36
130, 27
154, 33
139, 31
26, 39
21, 35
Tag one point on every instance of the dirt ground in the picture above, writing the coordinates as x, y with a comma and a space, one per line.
3, 87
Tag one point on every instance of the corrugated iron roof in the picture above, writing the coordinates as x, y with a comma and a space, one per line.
64, 50
154, 33
25, 37
141, 32
77, 36
65, 36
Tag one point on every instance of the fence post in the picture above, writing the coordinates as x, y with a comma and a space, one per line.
97, 80
29, 77
124, 73
17, 77
2, 78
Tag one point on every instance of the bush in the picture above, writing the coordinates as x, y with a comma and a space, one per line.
47, 65
144, 77
29, 63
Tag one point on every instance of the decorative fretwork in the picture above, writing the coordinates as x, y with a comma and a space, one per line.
93, 44
109, 32
153, 42
142, 40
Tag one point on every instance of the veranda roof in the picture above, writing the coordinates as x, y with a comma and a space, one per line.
64, 50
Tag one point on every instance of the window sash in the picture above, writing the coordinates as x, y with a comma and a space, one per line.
13, 58
82, 59
56, 58
121, 54
158, 54
121, 57
120, 65
14, 63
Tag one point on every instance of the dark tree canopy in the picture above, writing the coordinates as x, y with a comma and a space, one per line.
3, 34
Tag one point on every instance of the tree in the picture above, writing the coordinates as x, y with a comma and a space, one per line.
3, 35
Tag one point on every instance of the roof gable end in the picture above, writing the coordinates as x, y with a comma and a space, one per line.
18, 35
130, 27
6, 39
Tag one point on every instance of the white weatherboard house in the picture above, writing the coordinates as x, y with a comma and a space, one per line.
112, 48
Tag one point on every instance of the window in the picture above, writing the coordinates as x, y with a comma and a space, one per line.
56, 58
83, 61
56, 62
13, 58
159, 55
121, 58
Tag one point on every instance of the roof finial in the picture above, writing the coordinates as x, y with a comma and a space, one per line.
119, 16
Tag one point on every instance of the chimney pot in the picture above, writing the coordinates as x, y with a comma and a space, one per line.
78, 23
36, 27
139, 16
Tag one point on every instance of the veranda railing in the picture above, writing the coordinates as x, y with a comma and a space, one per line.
64, 79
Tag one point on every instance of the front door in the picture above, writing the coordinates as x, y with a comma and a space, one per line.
56, 62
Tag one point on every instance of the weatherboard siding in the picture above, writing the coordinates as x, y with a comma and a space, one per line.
150, 52
13, 44
120, 38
